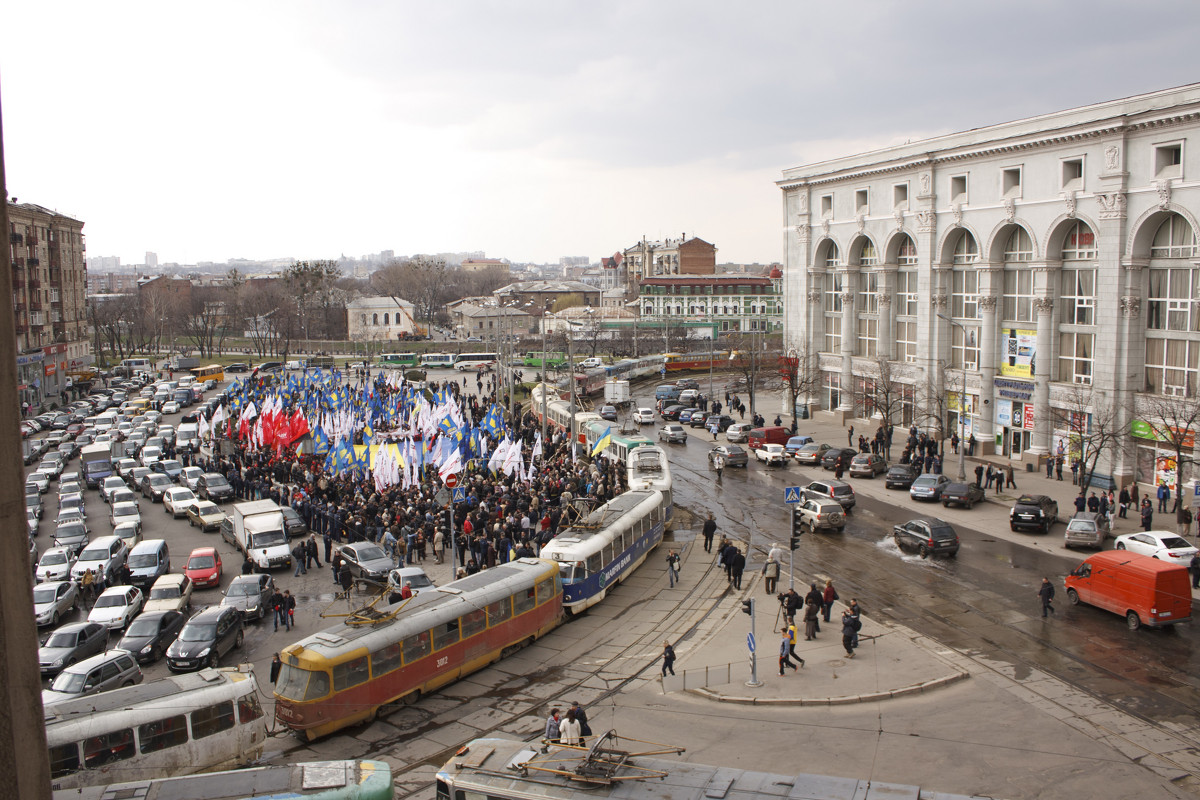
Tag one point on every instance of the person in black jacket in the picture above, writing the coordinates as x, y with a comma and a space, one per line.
276, 664
710, 529
737, 565
277, 605
1046, 595
817, 597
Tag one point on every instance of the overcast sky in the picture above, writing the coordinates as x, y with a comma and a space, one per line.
530, 130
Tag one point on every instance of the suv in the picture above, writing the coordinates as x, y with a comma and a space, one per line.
821, 515
839, 492
205, 639
104, 557
925, 536
99, 673
213, 486
1033, 512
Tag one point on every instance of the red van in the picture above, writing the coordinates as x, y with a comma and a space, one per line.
770, 435
1144, 590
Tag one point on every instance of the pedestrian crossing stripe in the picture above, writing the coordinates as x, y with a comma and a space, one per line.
791, 494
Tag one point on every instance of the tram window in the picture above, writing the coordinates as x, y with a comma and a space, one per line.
386, 660
545, 590
351, 673
213, 719
445, 635
318, 686
524, 601
416, 646
461, 795
248, 708
443, 791
594, 563
473, 622
163, 733
64, 760
107, 748
608, 553
499, 611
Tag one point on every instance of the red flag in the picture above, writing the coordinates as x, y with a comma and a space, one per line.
299, 425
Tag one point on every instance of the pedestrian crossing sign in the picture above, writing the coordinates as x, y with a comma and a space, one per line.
791, 495
460, 494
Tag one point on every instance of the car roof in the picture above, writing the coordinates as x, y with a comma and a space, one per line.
204, 551
1032, 498
100, 658
117, 590
211, 613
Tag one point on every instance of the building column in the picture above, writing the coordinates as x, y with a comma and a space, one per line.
849, 339
886, 346
991, 278
1045, 354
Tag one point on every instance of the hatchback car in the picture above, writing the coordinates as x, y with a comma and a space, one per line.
928, 486
205, 515
685, 416
71, 644
697, 419
190, 477
836, 455
644, 416
1163, 545
117, 607
901, 476
738, 432
926, 536
773, 455
154, 485
177, 500
812, 453
250, 594
293, 523
170, 592
963, 494
55, 565
733, 454
206, 639
672, 433
366, 560
151, 634
213, 486
839, 492
867, 465
54, 600
204, 567
1035, 512
609, 413
1086, 529
99, 673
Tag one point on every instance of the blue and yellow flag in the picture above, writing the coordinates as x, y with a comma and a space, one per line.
603, 442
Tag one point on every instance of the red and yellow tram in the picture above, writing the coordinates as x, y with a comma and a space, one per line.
344, 674
683, 362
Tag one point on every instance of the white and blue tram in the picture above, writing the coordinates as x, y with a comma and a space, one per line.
504, 769
608, 545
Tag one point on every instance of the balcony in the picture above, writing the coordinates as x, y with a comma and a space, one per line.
33, 261
15, 238
18, 263
35, 283
18, 282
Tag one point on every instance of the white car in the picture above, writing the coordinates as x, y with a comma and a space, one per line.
39, 479
772, 455
52, 601
55, 565
176, 501
591, 363
131, 532
170, 407
125, 466
1163, 545
126, 512
644, 416
112, 483
117, 607
190, 476
150, 455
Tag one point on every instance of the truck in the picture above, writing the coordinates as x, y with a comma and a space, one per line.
616, 393
96, 461
256, 528
183, 363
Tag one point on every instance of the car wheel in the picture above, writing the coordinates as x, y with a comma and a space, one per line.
923, 551
1120, 545
237, 643
1132, 621
1072, 597
214, 660
54, 620
945, 504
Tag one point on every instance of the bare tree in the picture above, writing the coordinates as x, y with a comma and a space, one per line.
1175, 422
422, 280
798, 368
1094, 428
754, 363
885, 394
310, 284
111, 318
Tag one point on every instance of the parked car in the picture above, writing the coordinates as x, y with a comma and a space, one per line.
812, 453
925, 536
832, 457
738, 432
588, 363
71, 535
55, 565
672, 433
1086, 529
190, 477
609, 413
169, 467
177, 500
794, 443
928, 486
719, 421
293, 523
821, 514
685, 416
1144, 590
839, 492
171, 592
213, 486
733, 454
151, 634
100, 673
415, 577
126, 512
867, 465
901, 476
773, 455
53, 600
1033, 512
644, 416
117, 606
366, 560
1163, 545
205, 515
250, 594
154, 485
963, 494
204, 567
71, 644
205, 639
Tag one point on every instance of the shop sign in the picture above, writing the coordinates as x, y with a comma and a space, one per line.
1004, 413
1144, 430
31, 358
1015, 390
1020, 353
50, 369
1029, 416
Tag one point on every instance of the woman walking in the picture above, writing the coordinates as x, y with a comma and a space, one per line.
828, 598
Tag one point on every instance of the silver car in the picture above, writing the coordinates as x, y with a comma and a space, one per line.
250, 594
672, 433
52, 601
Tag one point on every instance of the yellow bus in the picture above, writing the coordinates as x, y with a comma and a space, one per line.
213, 372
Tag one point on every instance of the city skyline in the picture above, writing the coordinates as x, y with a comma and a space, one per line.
527, 131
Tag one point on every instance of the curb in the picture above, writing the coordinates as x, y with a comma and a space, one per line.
842, 700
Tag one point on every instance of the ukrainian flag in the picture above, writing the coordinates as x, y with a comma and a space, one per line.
603, 442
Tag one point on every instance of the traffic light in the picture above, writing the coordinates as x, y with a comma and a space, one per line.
748, 607
797, 528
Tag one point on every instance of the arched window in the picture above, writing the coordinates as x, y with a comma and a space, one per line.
906, 255
1019, 246
374, 319
832, 257
1173, 364
363, 320
966, 251
1080, 243
867, 256
1174, 239
1018, 281
385, 320
906, 300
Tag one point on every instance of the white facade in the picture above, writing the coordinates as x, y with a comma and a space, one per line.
379, 319
1023, 264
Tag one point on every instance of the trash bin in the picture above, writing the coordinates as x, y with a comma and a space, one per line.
802, 412
1029, 467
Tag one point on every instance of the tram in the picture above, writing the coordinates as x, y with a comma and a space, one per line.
684, 362
607, 546
326, 780
505, 769
200, 721
343, 675
633, 368
558, 412
647, 468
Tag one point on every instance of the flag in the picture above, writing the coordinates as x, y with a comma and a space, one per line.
537, 447
603, 442
452, 466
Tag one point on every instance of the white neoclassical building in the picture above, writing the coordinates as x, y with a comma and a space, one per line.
380, 319
1016, 266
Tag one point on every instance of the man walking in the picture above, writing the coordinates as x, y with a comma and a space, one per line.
736, 568
673, 567
1164, 495
1046, 593
278, 608
668, 659
311, 551
710, 529
785, 646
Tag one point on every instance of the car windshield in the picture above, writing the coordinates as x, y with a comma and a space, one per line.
165, 593
201, 562
143, 560
216, 482
370, 553
207, 508
926, 480
62, 639
243, 589
198, 633
143, 627
70, 532
68, 683
269, 538
734, 450
125, 511
50, 559
1174, 541
44, 594
111, 601
94, 554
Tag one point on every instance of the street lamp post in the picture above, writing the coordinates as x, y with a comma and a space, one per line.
962, 410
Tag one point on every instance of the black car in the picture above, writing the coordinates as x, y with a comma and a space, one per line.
150, 634
293, 523
672, 412
845, 455
71, 644
268, 366
238, 366
925, 536
1035, 512
720, 422
699, 419
963, 494
900, 476
687, 383
205, 639
213, 486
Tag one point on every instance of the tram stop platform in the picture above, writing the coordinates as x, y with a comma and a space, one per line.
890, 660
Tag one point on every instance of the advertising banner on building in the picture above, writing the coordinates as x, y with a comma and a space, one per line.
1144, 430
1028, 417
1020, 353
1004, 413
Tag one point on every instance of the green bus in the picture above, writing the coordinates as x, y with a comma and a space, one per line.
552, 360
397, 360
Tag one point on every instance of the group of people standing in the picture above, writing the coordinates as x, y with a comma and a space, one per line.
573, 729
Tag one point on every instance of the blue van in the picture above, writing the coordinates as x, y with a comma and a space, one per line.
667, 391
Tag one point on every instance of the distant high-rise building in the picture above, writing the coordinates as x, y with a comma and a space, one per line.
151, 260
574, 261
104, 263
